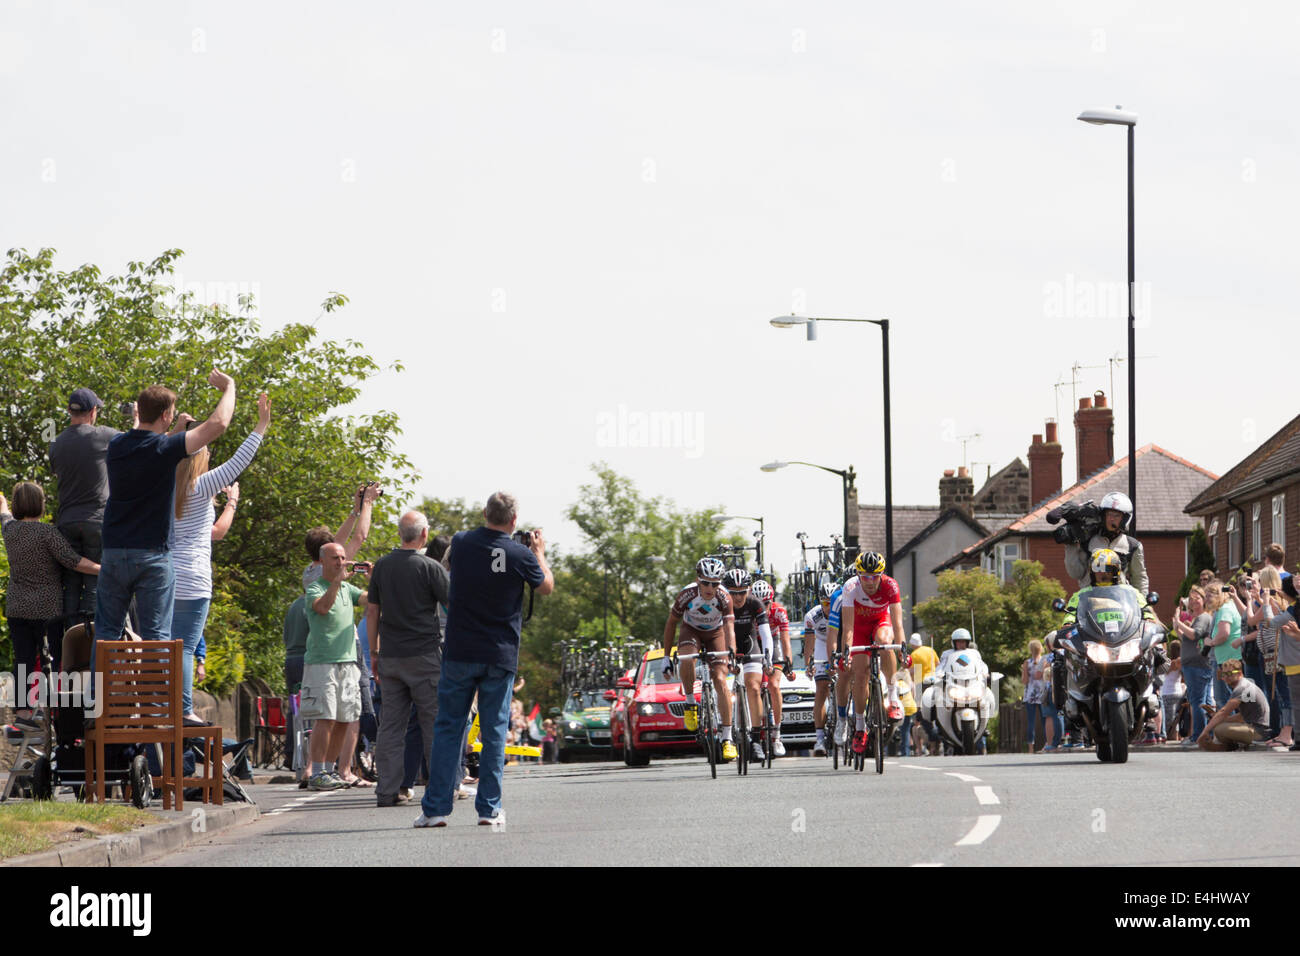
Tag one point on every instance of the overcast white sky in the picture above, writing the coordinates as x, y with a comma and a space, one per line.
551, 211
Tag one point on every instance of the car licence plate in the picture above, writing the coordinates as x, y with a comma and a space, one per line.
599, 735
796, 717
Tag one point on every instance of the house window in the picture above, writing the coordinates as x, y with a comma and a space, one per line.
1212, 536
1008, 553
1256, 548
1234, 541
1279, 520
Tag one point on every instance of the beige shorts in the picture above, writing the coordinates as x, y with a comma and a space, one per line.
331, 692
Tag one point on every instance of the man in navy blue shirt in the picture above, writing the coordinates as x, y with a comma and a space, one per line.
484, 612
141, 482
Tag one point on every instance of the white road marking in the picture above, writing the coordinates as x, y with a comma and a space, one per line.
926, 864
986, 796
916, 766
982, 830
964, 777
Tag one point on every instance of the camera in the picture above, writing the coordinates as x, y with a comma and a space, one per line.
368, 484
361, 566
128, 409
524, 537
1081, 522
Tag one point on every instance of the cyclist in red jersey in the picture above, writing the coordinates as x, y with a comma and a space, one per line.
778, 619
871, 612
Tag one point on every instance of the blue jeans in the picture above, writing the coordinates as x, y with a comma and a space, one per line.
79, 589
456, 687
145, 573
1052, 715
188, 617
1200, 685
1032, 714
906, 748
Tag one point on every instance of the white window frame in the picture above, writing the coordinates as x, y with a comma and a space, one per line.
1279, 520
1233, 530
1002, 568
1212, 536
1256, 543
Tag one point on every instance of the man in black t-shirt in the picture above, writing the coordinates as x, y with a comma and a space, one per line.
406, 587
79, 455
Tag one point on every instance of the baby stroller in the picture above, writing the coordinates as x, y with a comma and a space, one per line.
64, 761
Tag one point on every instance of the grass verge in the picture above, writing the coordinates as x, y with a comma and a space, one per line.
34, 827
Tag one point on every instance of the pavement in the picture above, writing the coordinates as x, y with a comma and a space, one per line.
1163, 807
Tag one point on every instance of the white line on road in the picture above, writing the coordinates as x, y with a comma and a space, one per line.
964, 777
982, 830
986, 796
926, 864
916, 766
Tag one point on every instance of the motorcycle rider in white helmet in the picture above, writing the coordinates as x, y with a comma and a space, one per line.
1116, 512
959, 643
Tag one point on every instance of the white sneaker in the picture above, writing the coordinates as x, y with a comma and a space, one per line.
497, 822
778, 748
819, 749
841, 731
424, 821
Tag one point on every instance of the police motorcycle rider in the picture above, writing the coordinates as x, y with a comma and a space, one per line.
959, 642
1116, 513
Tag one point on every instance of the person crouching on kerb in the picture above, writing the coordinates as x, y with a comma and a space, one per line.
1243, 720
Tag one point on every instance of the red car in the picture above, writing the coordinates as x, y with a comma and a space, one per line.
650, 720
618, 709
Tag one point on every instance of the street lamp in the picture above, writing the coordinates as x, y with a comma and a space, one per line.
847, 477
1120, 117
810, 323
758, 538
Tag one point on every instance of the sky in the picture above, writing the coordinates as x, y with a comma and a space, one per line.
571, 222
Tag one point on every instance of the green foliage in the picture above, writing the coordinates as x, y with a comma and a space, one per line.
1007, 616
1199, 558
119, 334
623, 531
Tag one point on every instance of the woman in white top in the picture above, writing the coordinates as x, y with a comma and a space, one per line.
1033, 674
192, 534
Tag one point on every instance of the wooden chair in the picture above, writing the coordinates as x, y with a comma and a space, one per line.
139, 702
212, 774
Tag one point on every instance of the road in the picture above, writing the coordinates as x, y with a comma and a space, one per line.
1162, 807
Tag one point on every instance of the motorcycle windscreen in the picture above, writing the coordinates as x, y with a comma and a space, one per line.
1110, 614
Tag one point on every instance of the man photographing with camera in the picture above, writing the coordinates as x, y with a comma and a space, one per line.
489, 568
1090, 528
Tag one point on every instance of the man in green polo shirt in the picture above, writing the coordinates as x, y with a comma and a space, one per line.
331, 693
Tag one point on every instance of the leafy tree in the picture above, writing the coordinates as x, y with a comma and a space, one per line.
118, 334
1006, 616
1199, 558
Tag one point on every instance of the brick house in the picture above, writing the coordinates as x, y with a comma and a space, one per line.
929, 533
1246, 510
1165, 482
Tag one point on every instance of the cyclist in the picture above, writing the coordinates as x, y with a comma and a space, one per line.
704, 611
871, 611
816, 662
753, 650
838, 659
778, 620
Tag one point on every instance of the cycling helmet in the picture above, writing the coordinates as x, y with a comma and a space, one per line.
961, 634
709, 569
828, 590
870, 562
763, 591
1118, 501
736, 579
1105, 563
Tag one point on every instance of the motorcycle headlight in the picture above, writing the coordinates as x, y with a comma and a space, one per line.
958, 692
652, 709
1121, 654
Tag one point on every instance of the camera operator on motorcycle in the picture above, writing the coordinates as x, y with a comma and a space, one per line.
1116, 512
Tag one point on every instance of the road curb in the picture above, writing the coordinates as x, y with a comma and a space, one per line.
148, 843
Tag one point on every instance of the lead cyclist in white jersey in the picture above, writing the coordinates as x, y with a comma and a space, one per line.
816, 661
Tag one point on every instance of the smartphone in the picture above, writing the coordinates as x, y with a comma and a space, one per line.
362, 566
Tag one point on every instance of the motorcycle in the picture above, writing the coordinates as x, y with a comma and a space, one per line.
959, 700
1110, 659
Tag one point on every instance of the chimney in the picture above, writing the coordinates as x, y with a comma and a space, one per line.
1045, 465
957, 491
1094, 435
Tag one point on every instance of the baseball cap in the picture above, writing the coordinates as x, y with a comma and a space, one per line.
83, 400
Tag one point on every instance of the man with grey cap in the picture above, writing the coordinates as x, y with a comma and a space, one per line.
406, 587
78, 454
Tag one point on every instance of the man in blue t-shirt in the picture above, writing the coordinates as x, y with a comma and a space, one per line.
484, 612
141, 483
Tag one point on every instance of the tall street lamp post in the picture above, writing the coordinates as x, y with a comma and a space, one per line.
1120, 117
810, 324
846, 477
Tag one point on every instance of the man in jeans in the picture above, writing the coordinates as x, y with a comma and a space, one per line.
79, 455
488, 572
406, 587
141, 483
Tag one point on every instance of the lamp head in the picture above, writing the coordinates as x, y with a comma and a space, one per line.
1115, 117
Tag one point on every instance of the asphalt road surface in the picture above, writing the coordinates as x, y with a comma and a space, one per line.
1163, 807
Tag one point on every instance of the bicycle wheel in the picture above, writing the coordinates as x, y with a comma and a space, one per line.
740, 729
876, 718
829, 725
708, 732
